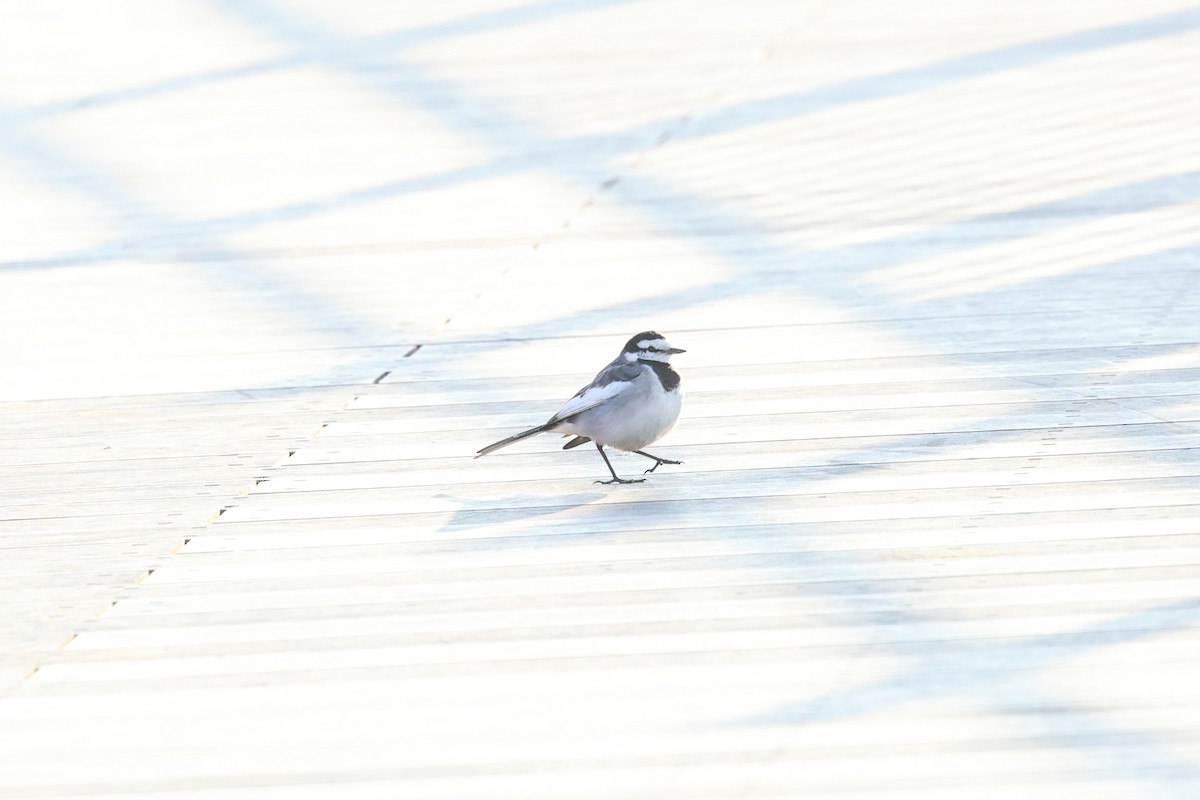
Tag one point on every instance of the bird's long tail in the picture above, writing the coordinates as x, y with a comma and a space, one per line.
491, 448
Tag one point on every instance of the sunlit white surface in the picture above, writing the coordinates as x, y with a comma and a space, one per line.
273, 271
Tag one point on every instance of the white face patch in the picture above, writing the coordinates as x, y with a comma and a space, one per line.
652, 350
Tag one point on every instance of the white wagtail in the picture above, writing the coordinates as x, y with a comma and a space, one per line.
632, 402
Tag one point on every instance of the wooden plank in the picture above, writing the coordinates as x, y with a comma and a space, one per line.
184, 606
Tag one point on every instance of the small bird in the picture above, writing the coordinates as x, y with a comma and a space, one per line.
632, 402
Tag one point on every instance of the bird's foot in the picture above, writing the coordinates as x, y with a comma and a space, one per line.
658, 462
622, 480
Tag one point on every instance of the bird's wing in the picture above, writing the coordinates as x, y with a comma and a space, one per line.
610, 382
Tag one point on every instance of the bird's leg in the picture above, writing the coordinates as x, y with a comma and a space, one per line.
657, 461
615, 479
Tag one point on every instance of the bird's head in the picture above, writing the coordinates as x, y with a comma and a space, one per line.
649, 346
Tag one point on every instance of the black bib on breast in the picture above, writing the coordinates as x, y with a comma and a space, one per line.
668, 376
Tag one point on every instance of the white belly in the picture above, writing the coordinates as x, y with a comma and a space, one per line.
641, 417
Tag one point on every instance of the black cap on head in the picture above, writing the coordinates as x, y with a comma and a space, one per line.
639, 341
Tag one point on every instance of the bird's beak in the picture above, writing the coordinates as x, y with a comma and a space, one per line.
675, 350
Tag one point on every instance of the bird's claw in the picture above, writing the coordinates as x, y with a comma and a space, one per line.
660, 462
622, 480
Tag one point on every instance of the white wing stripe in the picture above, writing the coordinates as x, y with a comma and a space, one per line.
592, 397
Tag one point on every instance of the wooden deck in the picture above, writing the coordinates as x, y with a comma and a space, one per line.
271, 272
